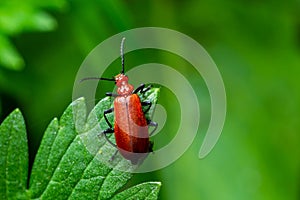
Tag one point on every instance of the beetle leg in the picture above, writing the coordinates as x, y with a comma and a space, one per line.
107, 112
146, 89
109, 131
154, 124
110, 94
113, 156
105, 133
142, 89
146, 103
151, 144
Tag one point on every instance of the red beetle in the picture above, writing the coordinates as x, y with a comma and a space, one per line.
131, 126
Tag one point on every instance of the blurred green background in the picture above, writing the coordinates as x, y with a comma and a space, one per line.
256, 46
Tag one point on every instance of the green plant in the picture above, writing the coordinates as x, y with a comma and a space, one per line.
69, 163
17, 17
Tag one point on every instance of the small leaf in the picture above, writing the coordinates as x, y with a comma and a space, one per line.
9, 57
41, 21
147, 191
13, 157
22, 16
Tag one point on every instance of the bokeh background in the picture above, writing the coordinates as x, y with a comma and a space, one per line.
255, 44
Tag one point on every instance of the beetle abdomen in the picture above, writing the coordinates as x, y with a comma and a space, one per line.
131, 130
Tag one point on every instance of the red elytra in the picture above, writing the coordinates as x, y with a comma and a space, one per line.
130, 124
131, 129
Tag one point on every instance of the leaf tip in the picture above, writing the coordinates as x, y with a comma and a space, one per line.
16, 112
158, 183
79, 100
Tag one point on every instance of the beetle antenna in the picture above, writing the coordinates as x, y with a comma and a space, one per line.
122, 54
96, 78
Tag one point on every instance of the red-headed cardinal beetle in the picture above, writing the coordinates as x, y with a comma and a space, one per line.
131, 126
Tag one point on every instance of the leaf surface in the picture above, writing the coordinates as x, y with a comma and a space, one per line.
13, 157
74, 162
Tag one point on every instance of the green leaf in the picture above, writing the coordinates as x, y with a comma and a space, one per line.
67, 164
147, 191
73, 162
13, 157
152, 96
9, 57
17, 17
40, 21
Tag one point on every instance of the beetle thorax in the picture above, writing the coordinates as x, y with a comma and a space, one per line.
124, 88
